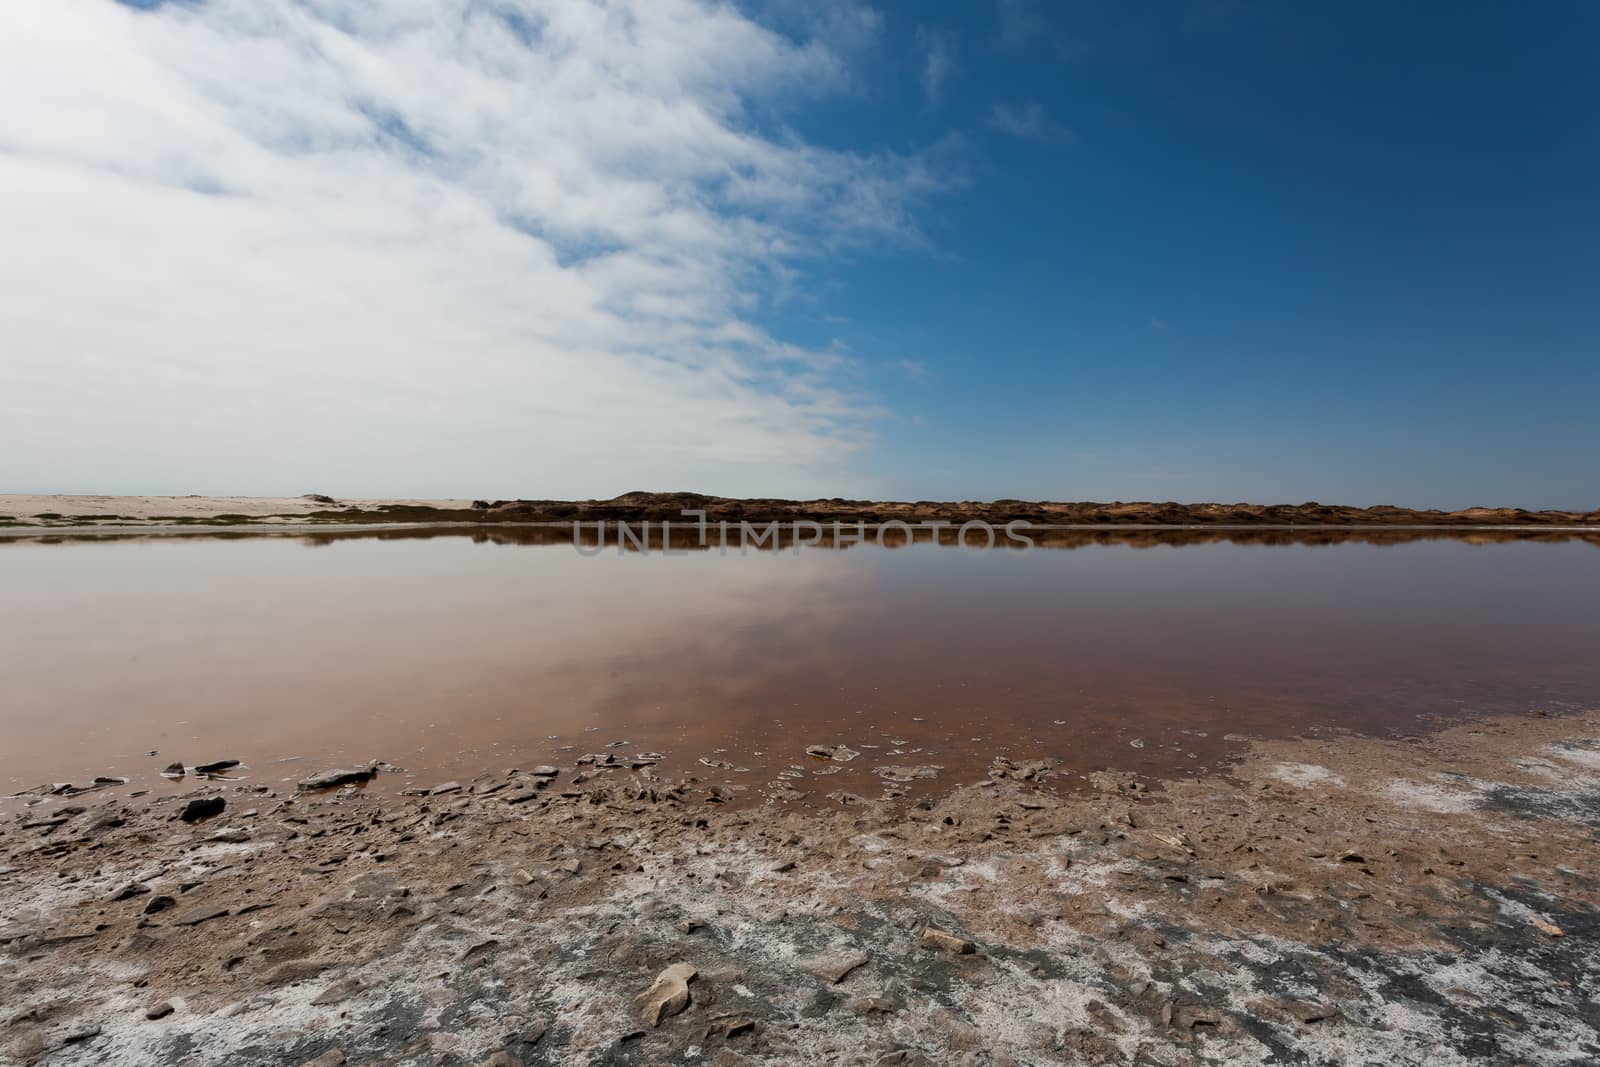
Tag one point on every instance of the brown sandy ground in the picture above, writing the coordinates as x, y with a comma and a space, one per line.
67, 511
1351, 900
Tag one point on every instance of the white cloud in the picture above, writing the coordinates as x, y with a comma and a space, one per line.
423, 246
938, 62
1029, 121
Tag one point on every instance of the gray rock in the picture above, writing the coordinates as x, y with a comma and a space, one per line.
337, 777
158, 1009
215, 768
202, 808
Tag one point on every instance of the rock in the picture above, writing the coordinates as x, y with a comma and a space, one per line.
835, 753
331, 1058
202, 808
1189, 1016
447, 787
158, 903
944, 941
870, 1005
173, 770
501, 1059
667, 995
731, 1025
231, 837
214, 768
337, 777
343, 989
534, 1033
196, 916
897, 773
158, 1009
544, 772
76, 1037
129, 891
833, 966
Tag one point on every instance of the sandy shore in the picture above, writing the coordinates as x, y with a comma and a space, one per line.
1350, 900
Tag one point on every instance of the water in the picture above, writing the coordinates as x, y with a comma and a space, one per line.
450, 654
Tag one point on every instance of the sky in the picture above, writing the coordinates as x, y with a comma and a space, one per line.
1208, 250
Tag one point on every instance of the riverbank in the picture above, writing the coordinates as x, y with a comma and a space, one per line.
1424, 900
76, 511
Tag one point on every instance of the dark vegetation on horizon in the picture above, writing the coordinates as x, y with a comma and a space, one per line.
655, 507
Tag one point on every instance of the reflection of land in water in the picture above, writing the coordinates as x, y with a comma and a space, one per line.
434, 650
652, 536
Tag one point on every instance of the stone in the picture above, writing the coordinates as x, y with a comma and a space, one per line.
544, 772
835, 753
1189, 1016
833, 966
202, 808
447, 787
944, 941
173, 770
158, 1009
731, 1025
75, 1037
215, 768
870, 1005
501, 1059
129, 891
668, 994
331, 1058
231, 837
337, 777
158, 903
343, 989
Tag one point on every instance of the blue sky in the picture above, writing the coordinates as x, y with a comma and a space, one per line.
1266, 251
1214, 250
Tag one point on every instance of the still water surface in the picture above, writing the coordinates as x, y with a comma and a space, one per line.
451, 655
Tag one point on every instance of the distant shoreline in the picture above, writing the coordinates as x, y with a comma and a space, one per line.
36, 512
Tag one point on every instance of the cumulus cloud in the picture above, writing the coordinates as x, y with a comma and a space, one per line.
424, 246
